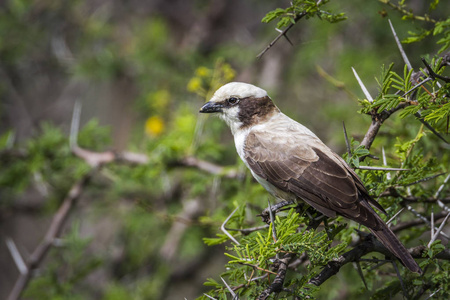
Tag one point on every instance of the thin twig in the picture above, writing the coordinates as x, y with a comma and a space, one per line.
432, 73
422, 120
283, 33
424, 179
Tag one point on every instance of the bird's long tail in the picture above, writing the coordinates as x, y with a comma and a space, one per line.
390, 241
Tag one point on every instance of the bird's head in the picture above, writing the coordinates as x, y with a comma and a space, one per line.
240, 105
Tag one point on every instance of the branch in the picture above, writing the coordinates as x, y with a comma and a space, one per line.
283, 33
420, 251
413, 223
433, 74
96, 159
370, 244
53, 232
377, 121
277, 284
209, 167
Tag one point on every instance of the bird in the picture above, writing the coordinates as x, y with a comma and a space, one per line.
293, 164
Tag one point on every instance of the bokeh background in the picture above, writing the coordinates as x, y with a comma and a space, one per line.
141, 70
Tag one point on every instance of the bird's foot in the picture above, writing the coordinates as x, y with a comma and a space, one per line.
280, 206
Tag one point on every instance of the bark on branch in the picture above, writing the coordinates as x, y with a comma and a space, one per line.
53, 232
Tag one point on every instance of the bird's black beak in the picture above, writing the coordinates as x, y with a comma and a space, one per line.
211, 107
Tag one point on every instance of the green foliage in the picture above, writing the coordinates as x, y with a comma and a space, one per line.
69, 259
256, 251
299, 7
47, 157
357, 152
441, 28
143, 203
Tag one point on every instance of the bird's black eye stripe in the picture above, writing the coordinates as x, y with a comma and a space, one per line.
233, 100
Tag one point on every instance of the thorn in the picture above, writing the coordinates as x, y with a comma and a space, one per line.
417, 86
357, 266
399, 45
224, 229
439, 202
431, 295
209, 296
432, 221
75, 125
285, 35
442, 186
394, 216
272, 220
381, 168
400, 279
349, 152
425, 220
363, 87
388, 175
230, 289
433, 238
18, 260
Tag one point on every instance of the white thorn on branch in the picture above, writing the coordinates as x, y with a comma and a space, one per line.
381, 168
75, 125
394, 216
230, 289
363, 87
224, 230
18, 260
439, 202
388, 175
433, 238
399, 45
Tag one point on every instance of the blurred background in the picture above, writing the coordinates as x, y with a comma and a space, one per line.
141, 70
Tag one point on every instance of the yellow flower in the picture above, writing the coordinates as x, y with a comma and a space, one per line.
194, 85
202, 72
228, 72
154, 126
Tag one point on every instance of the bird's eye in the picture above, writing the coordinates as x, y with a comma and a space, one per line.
233, 100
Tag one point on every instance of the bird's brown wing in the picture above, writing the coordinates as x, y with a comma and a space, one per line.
301, 164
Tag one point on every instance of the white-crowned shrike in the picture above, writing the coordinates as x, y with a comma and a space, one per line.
292, 163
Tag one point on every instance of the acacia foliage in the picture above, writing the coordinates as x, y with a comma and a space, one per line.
140, 253
412, 97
